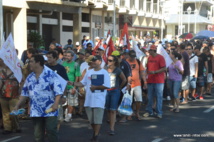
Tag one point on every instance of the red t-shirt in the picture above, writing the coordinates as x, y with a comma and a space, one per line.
154, 64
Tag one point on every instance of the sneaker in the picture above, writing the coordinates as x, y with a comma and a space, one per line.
201, 97
67, 118
182, 100
148, 114
159, 116
168, 98
111, 133
193, 98
196, 96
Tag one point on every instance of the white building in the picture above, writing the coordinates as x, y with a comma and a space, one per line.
188, 16
71, 19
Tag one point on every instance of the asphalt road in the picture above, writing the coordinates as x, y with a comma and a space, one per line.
194, 123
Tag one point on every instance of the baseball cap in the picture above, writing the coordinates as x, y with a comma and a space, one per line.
97, 37
89, 59
132, 53
87, 37
82, 51
115, 53
205, 42
97, 57
153, 47
77, 43
41, 47
101, 48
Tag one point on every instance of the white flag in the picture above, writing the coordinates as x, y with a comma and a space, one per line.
139, 53
9, 56
162, 51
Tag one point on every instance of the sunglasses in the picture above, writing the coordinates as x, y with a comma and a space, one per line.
188, 49
110, 60
96, 52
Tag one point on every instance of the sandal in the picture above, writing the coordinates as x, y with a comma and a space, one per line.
177, 110
139, 118
173, 109
123, 121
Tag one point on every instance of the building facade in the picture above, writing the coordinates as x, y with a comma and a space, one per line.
188, 16
71, 19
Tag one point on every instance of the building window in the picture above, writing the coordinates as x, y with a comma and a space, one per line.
54, 15
67, 28
85, 17
85, 29
67, 16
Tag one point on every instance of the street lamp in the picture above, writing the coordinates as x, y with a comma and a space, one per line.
161, 5
114, 20
195, 12
189, 9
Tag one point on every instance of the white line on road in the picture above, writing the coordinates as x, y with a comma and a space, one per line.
10, 139
157, 140
208, 110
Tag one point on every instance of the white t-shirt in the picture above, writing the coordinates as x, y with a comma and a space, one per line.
83, 66
192, 62
97, 98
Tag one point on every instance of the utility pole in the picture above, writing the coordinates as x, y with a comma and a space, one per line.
114, 20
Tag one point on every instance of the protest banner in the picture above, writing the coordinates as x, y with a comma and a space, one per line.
9, 56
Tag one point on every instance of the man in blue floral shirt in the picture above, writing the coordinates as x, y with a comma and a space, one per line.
44, 90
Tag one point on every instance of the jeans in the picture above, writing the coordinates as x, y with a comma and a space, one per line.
45, 123
155, 90
174, 87
112, 99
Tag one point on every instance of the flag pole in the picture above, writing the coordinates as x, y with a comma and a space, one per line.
1, 24
114, 20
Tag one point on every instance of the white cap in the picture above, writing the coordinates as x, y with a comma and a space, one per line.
102, 48
97, 37
87, 37
77, 43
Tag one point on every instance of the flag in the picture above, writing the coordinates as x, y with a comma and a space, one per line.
9, 56
162, 51
124, 38
139, 53
96, 47
110, 44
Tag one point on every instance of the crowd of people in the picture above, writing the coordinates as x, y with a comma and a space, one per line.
95, 82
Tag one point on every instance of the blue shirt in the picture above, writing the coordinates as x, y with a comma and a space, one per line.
42, 92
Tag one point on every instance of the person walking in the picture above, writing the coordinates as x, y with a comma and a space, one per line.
97, 81
44, 90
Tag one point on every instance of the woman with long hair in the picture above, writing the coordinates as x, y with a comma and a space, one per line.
113, 94
175, 78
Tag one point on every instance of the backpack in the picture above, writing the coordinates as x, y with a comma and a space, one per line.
9, 87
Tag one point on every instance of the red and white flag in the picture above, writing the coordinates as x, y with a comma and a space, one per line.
96, 47
124, 37
110, 44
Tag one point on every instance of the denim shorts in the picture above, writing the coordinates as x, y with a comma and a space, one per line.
112, 99
201, 81
175, 87
193, 81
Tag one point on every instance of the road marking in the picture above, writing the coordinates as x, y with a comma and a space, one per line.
157, 140
208, 110
7, 140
